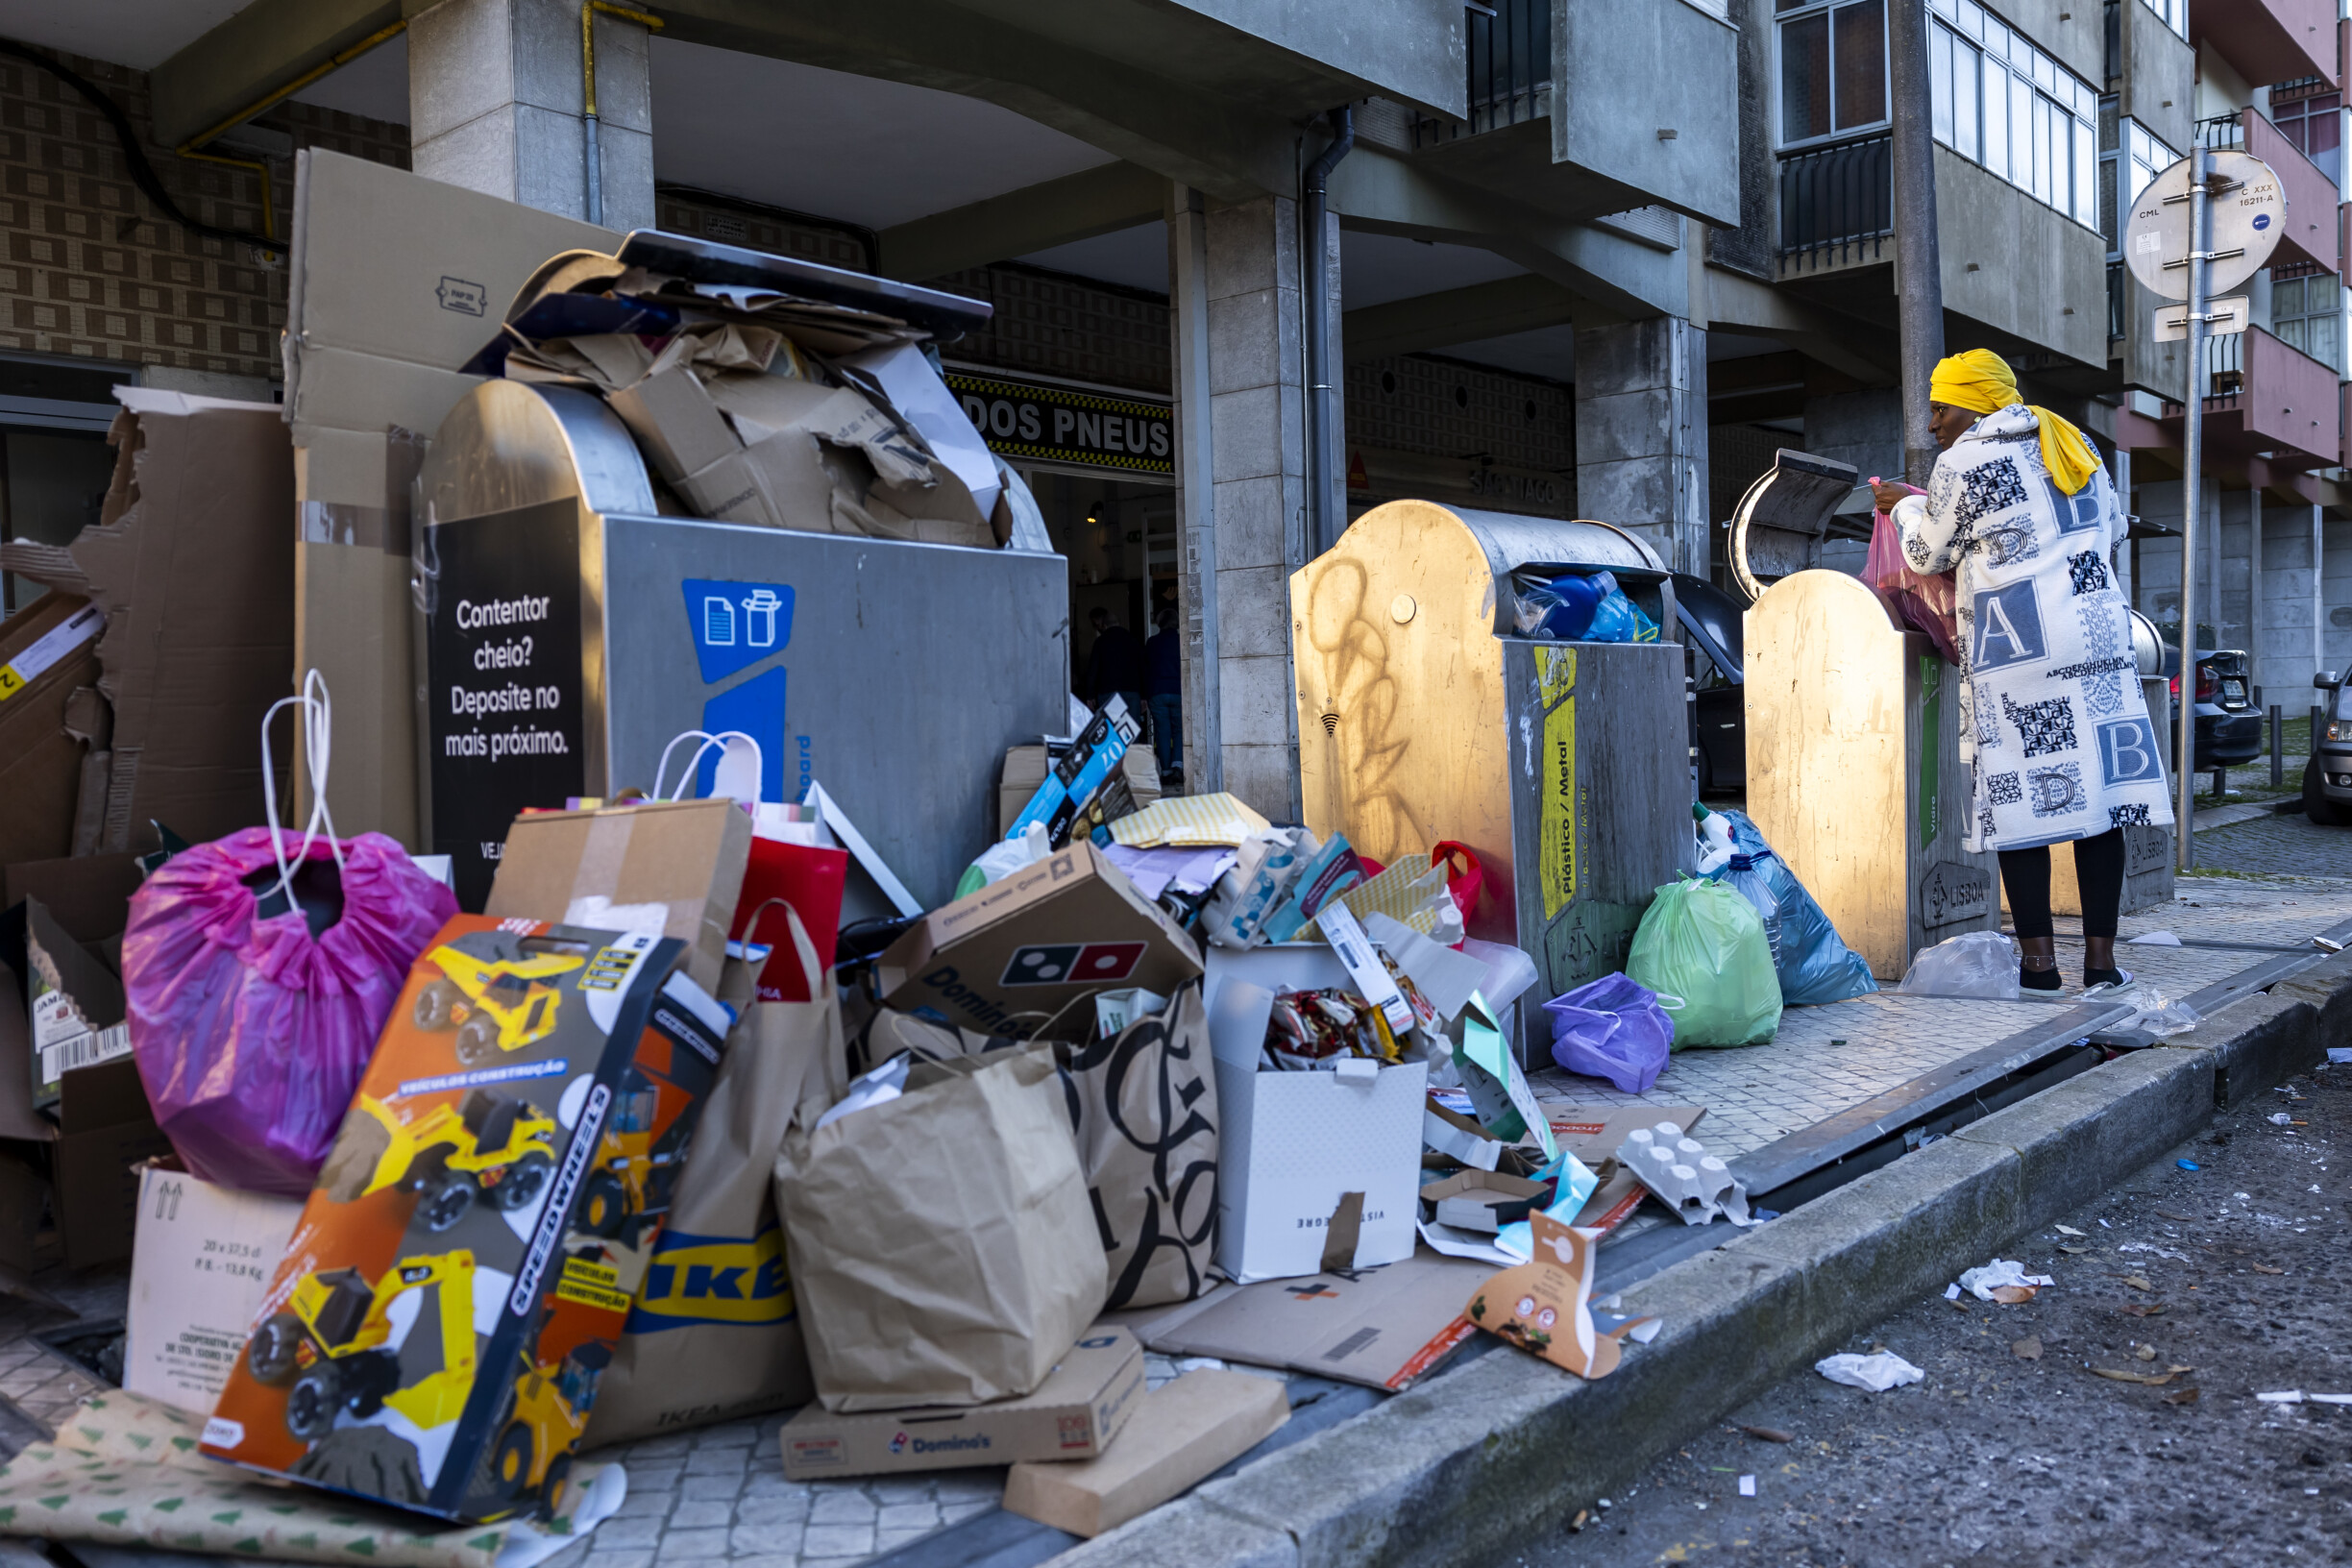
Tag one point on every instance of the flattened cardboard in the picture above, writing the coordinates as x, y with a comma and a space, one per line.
1381, 1327
199, 1266
675, 867
1482, 1200
1074, 1414
1186, 1430
1019, 954
41, 762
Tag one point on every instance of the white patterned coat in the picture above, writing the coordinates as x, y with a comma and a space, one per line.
2051, 720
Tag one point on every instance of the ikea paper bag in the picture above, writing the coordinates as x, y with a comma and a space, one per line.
1145, 1103
715, 1333
944, 1249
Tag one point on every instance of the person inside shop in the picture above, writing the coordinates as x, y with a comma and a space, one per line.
1164, 689
2058, 739
1116, 667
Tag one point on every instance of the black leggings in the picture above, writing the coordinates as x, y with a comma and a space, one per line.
2099, 874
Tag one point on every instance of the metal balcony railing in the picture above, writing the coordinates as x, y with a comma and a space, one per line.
2223, 133
2225, 366
1509, 50
1837, 204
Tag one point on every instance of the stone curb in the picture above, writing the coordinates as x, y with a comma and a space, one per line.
1500, 1452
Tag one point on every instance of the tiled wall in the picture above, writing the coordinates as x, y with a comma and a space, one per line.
1446, 408
90, 268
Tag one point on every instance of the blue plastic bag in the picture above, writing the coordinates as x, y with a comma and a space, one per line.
1612, 1028
1617, 619
1815, 966
1583, 607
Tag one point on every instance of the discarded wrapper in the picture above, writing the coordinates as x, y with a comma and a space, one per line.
1693, 1183
1545, 1305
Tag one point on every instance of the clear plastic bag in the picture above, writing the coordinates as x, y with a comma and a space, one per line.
2159, 1015
1704, 943
1614, 1029
1982, 964
1923, 601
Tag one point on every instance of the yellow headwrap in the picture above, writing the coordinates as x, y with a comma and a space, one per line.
1981, 382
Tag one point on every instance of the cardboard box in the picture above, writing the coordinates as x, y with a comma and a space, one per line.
1073, 1415
105, 1128
1302, 1153
199, 1266
1024, 770
1381, 1327
75, 1004
87, 895
1482, 1200
672, 867
1185, 1432
394, 281
498, 1186
1016, 954
48, 654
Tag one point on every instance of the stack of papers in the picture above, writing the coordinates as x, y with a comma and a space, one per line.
1189, 868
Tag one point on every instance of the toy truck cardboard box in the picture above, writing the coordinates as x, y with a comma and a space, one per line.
460, 1273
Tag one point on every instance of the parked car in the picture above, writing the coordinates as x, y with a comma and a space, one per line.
1714, 661
2327, 777
2229, 728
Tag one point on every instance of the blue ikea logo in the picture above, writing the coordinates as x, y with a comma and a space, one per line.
702, 1279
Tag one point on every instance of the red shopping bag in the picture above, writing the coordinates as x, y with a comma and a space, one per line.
1466, 877
1921, 600
806, 879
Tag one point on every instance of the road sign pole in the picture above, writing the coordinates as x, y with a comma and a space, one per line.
2192, 503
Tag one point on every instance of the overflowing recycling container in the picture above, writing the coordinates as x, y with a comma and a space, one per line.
1426, 714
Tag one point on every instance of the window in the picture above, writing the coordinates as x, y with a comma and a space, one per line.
1833, 71
2316, 126
2306, 313
2176, 13
2133, 158
2004, 104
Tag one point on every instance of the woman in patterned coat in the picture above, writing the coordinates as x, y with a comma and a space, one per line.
2059, 743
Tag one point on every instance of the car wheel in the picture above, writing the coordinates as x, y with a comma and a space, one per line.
525, 1179
270, 1356
311, 1403
445, 1203
2317, 805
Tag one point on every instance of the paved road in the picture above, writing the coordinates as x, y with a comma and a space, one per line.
2286, 845
1994, 1460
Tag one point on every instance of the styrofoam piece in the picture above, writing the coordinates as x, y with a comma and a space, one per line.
1693, 1183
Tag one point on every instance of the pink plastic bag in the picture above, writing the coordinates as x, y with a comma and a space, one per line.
250, 1034
1921, 600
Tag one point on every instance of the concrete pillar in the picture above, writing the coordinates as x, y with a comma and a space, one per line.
2255, 674
1257, 468
1187, 227
2318, 594
496, 104
1641, 434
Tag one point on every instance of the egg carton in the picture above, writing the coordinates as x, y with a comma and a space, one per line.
1683, 1176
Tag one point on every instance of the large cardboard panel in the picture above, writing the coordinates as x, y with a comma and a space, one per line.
352, 626
1381, 1327
41, 763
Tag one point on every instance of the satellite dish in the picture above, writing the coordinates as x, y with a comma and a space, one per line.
2247, 214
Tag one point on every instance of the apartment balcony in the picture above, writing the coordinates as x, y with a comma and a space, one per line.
2265, 399
1837, 207
1553, 119
2144, 364
2269, 40
2311, 232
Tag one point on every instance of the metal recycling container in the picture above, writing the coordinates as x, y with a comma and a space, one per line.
1424, 717
569, 632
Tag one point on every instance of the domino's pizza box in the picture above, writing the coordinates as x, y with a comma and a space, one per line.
1073, 1415
1017, 957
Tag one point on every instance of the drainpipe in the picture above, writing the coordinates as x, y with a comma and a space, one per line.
1323, 465
588, 118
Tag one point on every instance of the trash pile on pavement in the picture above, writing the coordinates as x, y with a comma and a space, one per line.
431, 1203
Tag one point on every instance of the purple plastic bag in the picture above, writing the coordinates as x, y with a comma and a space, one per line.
1612, 1028
251, 1035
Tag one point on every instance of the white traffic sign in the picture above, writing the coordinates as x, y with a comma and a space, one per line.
2246, 216
2222, 318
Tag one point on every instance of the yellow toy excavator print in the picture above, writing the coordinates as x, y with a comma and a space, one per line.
544, 1423
493, 992
333, 1344
487, 1146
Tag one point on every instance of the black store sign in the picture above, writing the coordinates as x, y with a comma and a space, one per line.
1039, 422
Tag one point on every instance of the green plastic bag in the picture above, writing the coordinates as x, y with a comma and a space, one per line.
1701, 942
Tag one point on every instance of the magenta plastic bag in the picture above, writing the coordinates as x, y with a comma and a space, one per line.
1612, 1028
250, 1034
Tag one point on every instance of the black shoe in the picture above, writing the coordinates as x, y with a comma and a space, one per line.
2039, 979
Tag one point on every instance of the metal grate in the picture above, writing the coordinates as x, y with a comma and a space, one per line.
1510, 48
1837, 204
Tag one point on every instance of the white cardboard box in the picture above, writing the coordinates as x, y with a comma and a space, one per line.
199, 1266
1291, 1146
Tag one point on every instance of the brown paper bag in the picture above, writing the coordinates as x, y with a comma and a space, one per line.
942, 1244
1145, 1103
716, 1333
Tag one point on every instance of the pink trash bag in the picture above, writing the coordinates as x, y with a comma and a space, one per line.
250, 1032
1921, 600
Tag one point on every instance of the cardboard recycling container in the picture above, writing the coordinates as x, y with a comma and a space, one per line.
507, 1163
